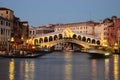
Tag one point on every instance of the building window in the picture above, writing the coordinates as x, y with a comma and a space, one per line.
30, 32
9, 24
6, 23
1, 31
1, 23
6, 12
33, 32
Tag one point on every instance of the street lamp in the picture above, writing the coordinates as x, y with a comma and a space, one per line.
116, 48
8, 43
11, 41
27, 41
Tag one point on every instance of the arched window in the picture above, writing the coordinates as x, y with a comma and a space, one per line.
55, 37
2, 31
50, 38
60, 36
93, 41
88, 40
45, 39
84, 39
35, 42
98, 42
74, 36
40, 40
79, 37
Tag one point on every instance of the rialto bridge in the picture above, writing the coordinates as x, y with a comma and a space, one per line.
51, 39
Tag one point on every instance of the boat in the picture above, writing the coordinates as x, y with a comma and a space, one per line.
95, 53
19, 54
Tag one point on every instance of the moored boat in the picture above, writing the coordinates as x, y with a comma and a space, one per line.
99, 53
19, 54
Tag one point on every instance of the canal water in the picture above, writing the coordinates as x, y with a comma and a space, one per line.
61, 66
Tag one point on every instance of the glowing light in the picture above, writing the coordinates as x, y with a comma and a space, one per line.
12, 39
26, 41
68, 32
21, 38
11, 69
116, 44
88, 41
33, 47
106, 54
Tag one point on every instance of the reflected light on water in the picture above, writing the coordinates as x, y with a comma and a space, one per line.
107, 69
116, 69
94, 71
26, 70
68, 67
29, 70
11, 69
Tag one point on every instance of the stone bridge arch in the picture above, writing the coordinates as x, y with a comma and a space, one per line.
65, 40
66, 35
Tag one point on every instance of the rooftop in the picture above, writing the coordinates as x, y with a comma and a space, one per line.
3, 8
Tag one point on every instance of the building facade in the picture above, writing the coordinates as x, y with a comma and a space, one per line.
6, 25
33, 31
97, 29
19, 30
25, 31
81, 27
108, 30
114, 31
101, 31
86, 28
7, 13
5, 32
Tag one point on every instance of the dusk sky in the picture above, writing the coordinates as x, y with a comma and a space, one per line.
44, 12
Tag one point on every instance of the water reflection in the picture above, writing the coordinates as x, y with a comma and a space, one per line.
68, 67
11, 69
94, 70
110, 69
116, 67
62, 67
26, 68
29, 70
107, 69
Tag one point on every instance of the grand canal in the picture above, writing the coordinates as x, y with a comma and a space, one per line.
60, 66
